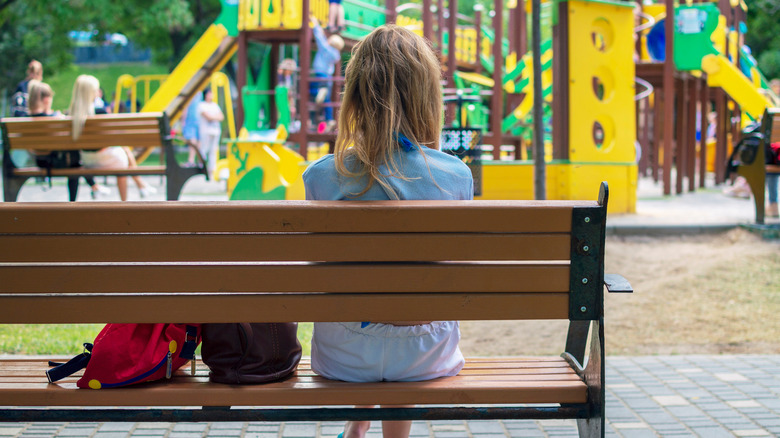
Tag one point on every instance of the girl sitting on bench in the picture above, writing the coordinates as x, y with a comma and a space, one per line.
388, 149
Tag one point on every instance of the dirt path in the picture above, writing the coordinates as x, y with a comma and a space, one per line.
696, 294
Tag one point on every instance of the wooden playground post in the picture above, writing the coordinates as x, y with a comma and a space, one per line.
304, 63
496, 100
452, 62
693, 99
705, 112
668, 112
680, 139
721, 109
391, 13
427, 18
440, 25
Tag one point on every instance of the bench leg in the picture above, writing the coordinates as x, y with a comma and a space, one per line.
176, 176
11, 187
756, 178
593, 374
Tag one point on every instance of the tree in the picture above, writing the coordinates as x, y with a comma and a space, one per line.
763, 36
38, 29
168, 27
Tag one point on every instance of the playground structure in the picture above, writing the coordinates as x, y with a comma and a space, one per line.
696, 64
478, 62
591, 120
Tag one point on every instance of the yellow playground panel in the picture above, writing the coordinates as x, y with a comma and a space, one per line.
277, 14
568, 181
280, 167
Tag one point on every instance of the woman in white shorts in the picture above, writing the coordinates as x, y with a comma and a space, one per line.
388, 149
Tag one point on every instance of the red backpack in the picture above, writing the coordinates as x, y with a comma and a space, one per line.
124, 354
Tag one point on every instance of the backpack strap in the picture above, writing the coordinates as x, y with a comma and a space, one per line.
62, 370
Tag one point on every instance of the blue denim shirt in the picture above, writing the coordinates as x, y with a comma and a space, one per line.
430, 174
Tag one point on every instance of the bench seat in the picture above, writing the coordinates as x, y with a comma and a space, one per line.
489, 381
80, 171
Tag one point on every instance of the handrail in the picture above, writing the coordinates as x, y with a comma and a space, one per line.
650, 21
648, 89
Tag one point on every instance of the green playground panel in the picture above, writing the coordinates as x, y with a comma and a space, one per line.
362, 17
693, 27
228, 17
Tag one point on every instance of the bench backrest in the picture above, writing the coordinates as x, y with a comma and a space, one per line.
301, 261
55, 133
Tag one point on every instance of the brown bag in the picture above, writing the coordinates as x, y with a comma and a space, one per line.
250, 353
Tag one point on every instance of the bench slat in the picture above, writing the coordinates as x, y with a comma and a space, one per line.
285, 247
271, 277
533, 385
78, 171
187, 308
292, 216
90, 143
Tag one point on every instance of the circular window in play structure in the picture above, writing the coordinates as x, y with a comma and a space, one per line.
602, 35
603, 133
603, 84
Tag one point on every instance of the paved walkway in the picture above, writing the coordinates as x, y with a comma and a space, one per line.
647, 396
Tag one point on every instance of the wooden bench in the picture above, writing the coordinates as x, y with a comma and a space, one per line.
277, 261
749, 161
54, 134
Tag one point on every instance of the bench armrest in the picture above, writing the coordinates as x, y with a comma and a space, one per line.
617, 283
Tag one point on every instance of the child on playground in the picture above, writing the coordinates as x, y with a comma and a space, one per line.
210, 119
388, 149
326, 59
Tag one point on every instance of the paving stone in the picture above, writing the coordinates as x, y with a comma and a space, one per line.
751, 432
189, 427
684, 412
303, 430
483, 427
712, 432
191, 434
118, 434
78, 432
110, 427
153, 426
149, 432
226, 425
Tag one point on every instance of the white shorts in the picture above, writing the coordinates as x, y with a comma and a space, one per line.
383, 352
112, 157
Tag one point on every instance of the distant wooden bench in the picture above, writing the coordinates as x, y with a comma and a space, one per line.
54, 134
749, 161
277, 261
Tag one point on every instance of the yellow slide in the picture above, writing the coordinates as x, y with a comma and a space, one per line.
722, 73
207, 56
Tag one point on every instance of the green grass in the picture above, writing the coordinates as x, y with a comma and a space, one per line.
67, 339
107, 74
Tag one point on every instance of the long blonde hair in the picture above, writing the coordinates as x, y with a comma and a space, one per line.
82, 104
36, 92
392, 87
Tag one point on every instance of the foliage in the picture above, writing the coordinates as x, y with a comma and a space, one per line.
763, 23
37, 29
62, 82
66, 339
168, 27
